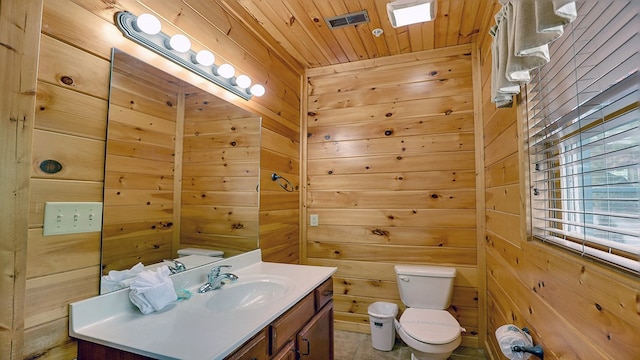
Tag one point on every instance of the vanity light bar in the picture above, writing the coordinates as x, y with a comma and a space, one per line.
179, 51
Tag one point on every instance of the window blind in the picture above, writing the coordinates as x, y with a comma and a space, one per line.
583, 128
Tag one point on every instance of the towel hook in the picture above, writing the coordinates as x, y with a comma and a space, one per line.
287, 186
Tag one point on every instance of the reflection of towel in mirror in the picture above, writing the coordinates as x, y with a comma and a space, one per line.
152, 290
116, 279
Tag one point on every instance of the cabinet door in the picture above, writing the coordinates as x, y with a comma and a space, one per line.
315, 340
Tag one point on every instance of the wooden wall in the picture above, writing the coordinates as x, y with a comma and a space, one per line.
575, 308
45, 274
391, 174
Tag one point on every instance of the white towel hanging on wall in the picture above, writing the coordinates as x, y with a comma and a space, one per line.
521, 37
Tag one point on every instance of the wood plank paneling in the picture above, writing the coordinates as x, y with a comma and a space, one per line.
48, 297
437, 124
69, 112
81, 158
390, 172
299, 27
46, 256
20, 24
408, 180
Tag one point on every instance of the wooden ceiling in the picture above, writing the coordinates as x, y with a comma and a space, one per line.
299, 27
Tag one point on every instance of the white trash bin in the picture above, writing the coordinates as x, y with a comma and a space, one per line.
383, 332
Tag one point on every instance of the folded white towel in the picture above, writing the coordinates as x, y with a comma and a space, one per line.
502, 90
117, 279
152, 290
521, 37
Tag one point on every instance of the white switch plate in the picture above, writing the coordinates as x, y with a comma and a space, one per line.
313, 220
72, 217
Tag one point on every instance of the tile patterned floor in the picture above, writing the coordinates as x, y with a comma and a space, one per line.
356, 346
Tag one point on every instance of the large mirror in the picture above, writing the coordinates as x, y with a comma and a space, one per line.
181, 170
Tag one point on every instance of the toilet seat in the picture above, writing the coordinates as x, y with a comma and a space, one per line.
430, 326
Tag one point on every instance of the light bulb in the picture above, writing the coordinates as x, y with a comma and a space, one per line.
180, 43
243, 81
257, 90
205, 57
226, 71
148, 24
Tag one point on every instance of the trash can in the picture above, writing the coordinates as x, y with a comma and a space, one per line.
383, 331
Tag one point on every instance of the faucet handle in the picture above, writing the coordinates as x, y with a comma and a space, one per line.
215, 271
179, 266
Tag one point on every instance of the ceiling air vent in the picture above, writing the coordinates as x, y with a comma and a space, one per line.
354, 18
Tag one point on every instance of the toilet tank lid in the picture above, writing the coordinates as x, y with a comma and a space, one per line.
425, 270
203, 252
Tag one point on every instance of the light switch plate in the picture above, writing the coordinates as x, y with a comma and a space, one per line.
313, 220
72, 217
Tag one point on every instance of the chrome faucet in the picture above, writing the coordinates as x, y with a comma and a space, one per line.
215, 280
178, 266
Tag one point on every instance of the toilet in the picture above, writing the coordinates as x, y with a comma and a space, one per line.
429, 330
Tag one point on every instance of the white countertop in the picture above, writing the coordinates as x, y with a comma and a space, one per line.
188, 329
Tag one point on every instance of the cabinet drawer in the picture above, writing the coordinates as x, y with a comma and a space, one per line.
324, 293
283, 329
254, 349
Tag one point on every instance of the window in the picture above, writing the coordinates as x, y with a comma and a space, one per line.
584, 136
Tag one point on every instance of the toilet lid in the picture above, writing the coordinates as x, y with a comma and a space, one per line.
430, 326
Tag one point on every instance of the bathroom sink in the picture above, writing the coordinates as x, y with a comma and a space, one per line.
249, 292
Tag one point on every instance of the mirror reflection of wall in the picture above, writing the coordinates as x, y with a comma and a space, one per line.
181, 170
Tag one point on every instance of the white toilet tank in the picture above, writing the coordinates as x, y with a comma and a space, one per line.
425, 287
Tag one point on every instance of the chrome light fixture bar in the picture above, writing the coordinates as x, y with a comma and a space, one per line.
178, 49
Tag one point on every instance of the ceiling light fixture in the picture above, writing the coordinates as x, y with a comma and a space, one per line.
407, 12
145, 31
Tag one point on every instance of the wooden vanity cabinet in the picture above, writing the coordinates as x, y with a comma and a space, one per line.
304, 332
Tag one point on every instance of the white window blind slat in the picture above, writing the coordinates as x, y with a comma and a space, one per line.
583, 131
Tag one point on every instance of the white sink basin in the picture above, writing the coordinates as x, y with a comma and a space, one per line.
249, 292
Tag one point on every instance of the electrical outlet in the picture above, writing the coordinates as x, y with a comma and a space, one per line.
72, 217
313, 220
